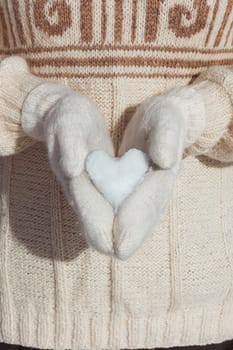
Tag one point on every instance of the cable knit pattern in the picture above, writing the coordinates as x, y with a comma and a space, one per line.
58, 293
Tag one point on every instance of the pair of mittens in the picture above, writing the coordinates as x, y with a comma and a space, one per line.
119, 201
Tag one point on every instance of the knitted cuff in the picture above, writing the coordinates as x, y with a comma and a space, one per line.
190, 103
36, 106
194, 110
16, 82
216, 140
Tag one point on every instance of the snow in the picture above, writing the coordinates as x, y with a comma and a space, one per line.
116, 177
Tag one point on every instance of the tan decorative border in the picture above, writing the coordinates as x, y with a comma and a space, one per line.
113, 47
119, 22
126, 61
228, 11
112, 75
216, 6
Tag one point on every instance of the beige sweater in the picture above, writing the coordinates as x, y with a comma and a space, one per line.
55, 291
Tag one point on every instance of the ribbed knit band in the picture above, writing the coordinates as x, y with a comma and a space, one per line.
194, 110
16, 82
31, 327
215, 86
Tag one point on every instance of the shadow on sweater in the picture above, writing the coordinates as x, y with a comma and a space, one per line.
40, 216
213, 163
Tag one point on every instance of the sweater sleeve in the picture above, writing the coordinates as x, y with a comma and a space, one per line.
16, 82
215, 85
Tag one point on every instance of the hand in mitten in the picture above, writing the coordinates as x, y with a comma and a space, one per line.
192, 120
71, 126
161, 127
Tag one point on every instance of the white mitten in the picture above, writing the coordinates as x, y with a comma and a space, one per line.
71, 126
161, 127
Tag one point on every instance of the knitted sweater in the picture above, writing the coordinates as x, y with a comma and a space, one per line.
56, 292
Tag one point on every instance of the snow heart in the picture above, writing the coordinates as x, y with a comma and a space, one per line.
117, 177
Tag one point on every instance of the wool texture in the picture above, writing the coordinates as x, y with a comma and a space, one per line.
72, 126
56, 291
